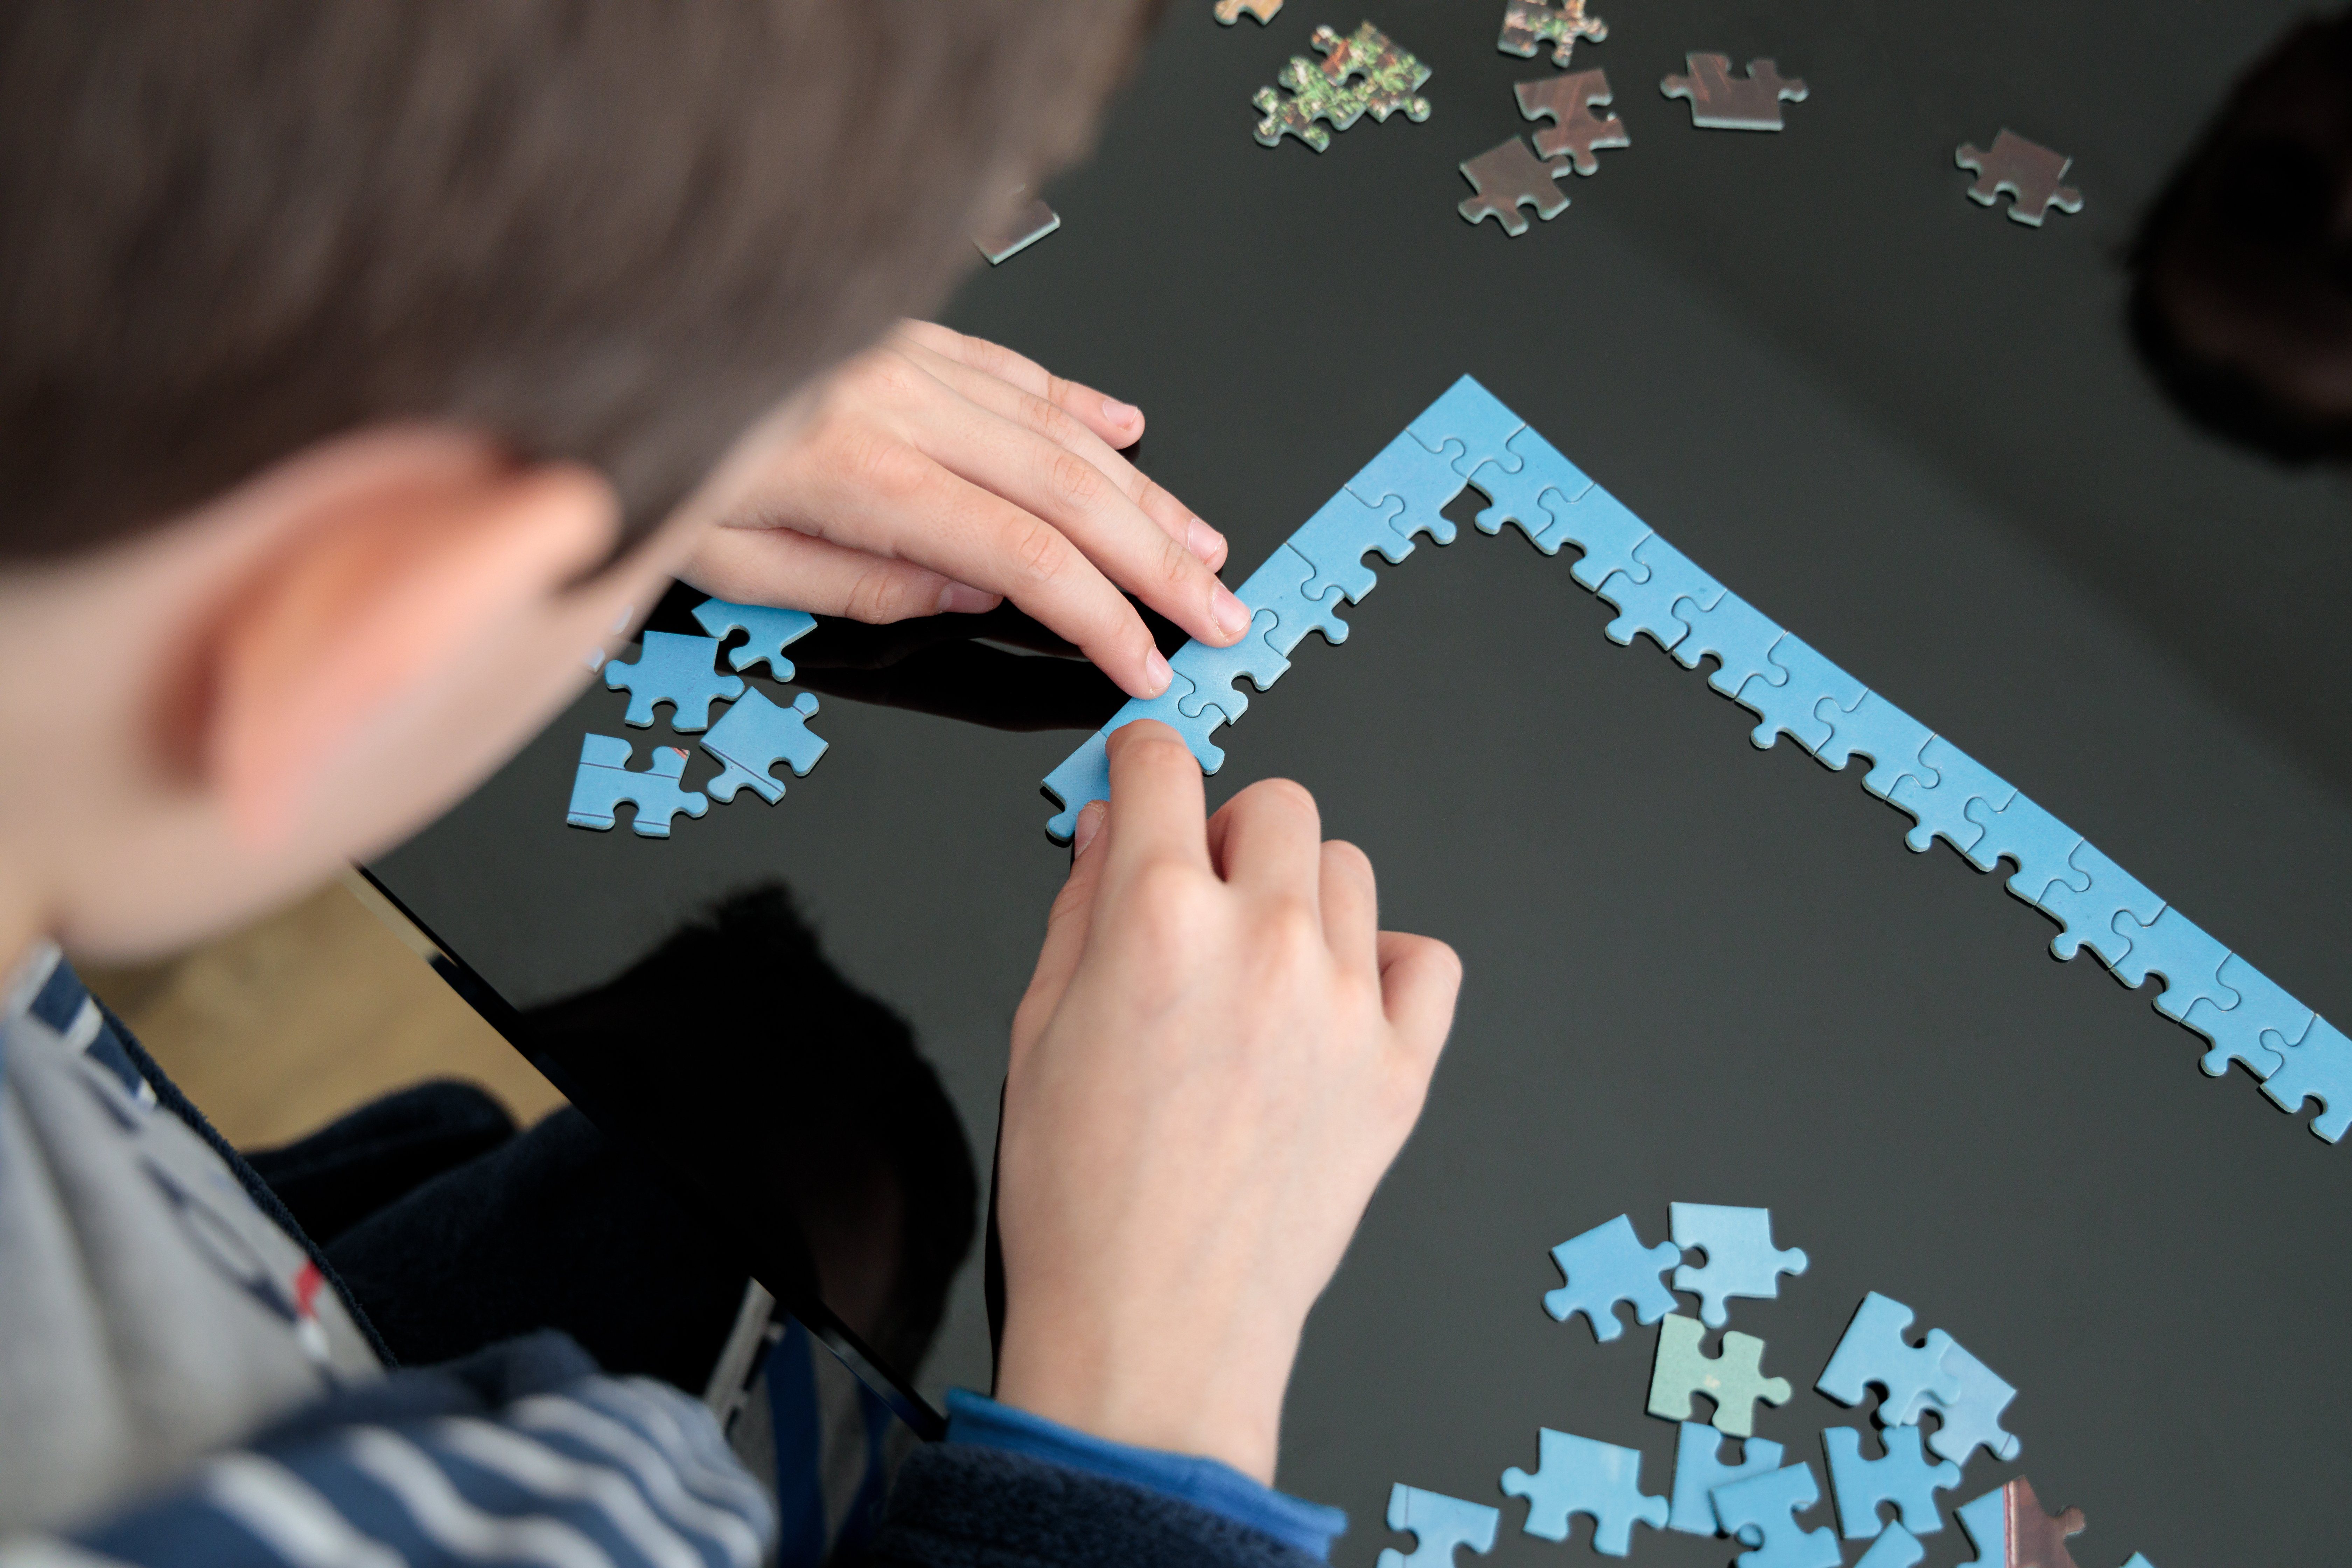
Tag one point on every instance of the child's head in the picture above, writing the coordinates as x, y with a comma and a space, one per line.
361, 366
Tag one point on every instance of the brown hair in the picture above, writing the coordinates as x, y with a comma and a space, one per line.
601, 229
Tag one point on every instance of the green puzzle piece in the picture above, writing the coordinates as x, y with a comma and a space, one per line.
1734, 1380
1361, 74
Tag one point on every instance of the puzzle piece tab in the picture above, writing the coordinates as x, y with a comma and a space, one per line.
1646, 605
1529, 25
1788, 706
1740, 1258
1361, 74
754, 735
1873, 1350
1903, 1478
1876, 729
2012, 1531
1721, 102
1606, 1265
1762, 1510
1940, 807
1508, 176
2244, 1033
2089, 913
2029, 171
1575, 130
1439, 1523
682, 672
2317, 1067
604, 779
1576, 1475
770, 632
1699, 1469
1733, 1380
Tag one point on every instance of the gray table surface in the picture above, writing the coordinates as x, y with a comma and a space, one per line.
1906, 429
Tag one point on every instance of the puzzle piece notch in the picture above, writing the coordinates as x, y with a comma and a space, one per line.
1738, 637
1423, 480
1896, 1548
768, 632
1575, 130
1721, 102
1971, 1418
1327, 89
1904, 1478
1229, 11
1606, 1265
1577, 1475
1740, 1258
1529, 25
1507, 177
604, 779
2318, 1066
1646, 605
2041, 845
1469, 413
2089, 913
1762, 1513
1788, 706
1335, 540
2011, 1530
1940, 809
1699, 1469
2241, 1033
754, 735
1439, 1523
1733, 1380
2028, 170
682, 672
1876, 729
1874, 1349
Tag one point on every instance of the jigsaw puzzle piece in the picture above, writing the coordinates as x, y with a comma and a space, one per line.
754, 735
1874, 1350
2041, 845
1214, 670
2319, 1066
2012, 1531
1646, 604
1788, 706
1736, 635
1606, 1265
1575, 130
2242, 1033
1972, 1415
1940, 809
1734, 1380
2089, 913
1469, 413
1423, 479
1896, 1548
1721, 102
1762, 1513
1334, 542
2028, 170
682, 672
1229, 11
1876, 729
1740, 1258
1576, 1475
1903, 1478
1439, 1523
2177, 949
770, 632
1508, 177
1516, 486
1699, 1469
1084, 774
604, 780
1280, 585
1528, 24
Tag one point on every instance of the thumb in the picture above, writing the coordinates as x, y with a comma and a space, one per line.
1065, 931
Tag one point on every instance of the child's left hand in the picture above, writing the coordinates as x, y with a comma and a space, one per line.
938, 472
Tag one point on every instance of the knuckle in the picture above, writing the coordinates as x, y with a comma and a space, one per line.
879, 595
1073, 480
1039, 551
1286, 796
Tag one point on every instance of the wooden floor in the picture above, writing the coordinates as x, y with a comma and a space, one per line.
278, 1028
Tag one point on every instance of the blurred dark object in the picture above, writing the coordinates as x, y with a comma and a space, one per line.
2242, 303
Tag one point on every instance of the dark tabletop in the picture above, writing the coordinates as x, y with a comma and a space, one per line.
1907, 430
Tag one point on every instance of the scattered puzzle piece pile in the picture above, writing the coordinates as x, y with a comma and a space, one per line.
1530, 25
1358, 75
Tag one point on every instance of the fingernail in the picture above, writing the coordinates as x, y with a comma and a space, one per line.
1091, 821
962, 599
1120, 413
1203, 542
1233, 616
1156, 673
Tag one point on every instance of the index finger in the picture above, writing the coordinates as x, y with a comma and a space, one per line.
1158, 806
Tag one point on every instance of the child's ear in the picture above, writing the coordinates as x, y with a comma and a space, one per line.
390, 573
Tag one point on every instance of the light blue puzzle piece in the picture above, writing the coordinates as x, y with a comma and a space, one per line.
1606, 1265
2011, 1530
754, 735
2139, 1560
1971, 1418
1987, 1522
2319, 1066
1576, 1475
1604, 529
604, 779
1903, 1478
2242, 1033
1334, 542
1788, 708
1740, 1258
2179, 950
1874, 1349
1896, 1548
1699, 1469
1084, 774
1646, 604
1941, 808
1762, 1510
1280, 585
1439, 1523
1211, 671
1735, 634
1876, 729
682, 672
2021, 831
2089, 913
1474, 416
771, 631
1424, 480
1530, 484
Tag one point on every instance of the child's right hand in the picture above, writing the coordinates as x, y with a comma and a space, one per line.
1219, 1056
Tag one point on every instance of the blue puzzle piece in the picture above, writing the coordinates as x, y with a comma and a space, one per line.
682, 672
1735, 634
1787, 707
1474, 416
1280, 584
2089, 913
771, 631
1762, 1511
1439, 1523
754, 735
1211, 671
1606, 1265
1529, 484
1972, 1416
2319, 1066
1084, 774
1334, 542
604, 780
1576, 1475
1903, 1478
1876, 729
2179, 950
1646, 604
1897, 1548
1604, 529
2242, 1033
1740, 1258
1874, 1350
2041, 845
1699, 1469
2012, 1531
1423, 480
1941, 808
